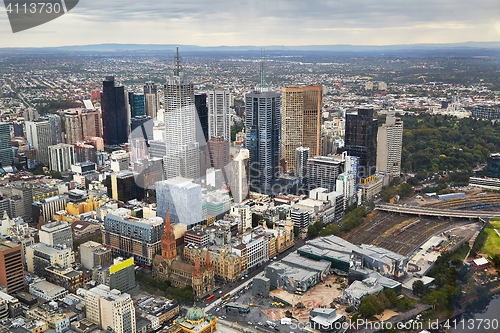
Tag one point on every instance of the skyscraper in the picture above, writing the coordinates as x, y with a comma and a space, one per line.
114, 113
151, 99
262, 126
361, 140
200, 101
323, 172
6, 156
38, 135
73, 127
301, 156
389, 144
301, 121
218, 152
182, 149
236, 173
137, 106
218, 114
91, 123
55, 128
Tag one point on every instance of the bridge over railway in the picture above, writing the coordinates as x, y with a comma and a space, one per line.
437, 212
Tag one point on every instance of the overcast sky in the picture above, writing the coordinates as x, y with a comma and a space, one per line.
261, 23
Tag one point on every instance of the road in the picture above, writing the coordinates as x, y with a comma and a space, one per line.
234, 287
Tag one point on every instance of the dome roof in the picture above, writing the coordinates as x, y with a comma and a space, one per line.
194, 314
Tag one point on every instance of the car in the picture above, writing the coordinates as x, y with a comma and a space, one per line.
260, 323
220, 291
249, 323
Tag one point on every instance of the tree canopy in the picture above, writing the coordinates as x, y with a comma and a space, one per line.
444, 143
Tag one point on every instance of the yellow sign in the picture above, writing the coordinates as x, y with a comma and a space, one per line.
124, 264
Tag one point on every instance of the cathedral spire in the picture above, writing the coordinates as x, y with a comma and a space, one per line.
168, 245
207, 259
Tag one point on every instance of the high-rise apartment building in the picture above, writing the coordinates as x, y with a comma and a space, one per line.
301, 156
55, 128
114, 113
11, 267
73, 127
151, 99
6, 155
219, 121
262, 127
182, 149
301, 121
389, 144
56, 233
38, 135
61, 157
323, 172
110, 309
361, 140
91, 123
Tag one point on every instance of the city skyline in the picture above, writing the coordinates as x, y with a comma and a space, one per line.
277, 23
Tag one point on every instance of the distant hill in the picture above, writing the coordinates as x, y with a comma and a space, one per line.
335, 48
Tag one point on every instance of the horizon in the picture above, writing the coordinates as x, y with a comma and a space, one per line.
274, 47
281, 23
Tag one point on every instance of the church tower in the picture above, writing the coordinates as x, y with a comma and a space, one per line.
208, 263
168, 246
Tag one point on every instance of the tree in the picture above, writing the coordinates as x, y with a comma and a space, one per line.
419, 288
370, 306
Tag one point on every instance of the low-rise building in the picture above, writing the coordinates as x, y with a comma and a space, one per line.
57, 320
47, 291
157, 310
9, 306
39, 256
94, 254
297, 274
